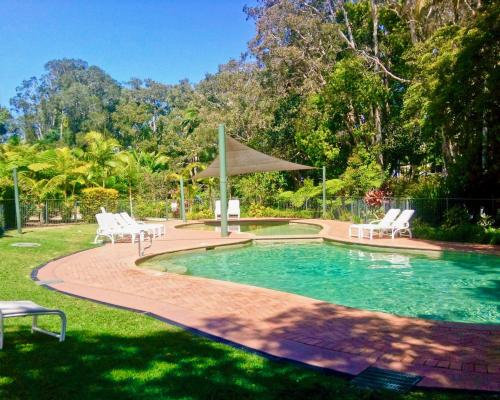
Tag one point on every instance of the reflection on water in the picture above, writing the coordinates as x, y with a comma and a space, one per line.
449, 286
384, 260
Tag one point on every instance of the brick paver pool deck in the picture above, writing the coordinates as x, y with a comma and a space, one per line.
448, 355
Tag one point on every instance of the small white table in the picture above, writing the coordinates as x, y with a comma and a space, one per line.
361, 229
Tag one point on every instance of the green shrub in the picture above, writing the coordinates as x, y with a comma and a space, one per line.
260, 211
362, 173
467, 232
94, 198
492, 235
144, 209
423, 187
200, 214
456, 217
258, 187
2, 221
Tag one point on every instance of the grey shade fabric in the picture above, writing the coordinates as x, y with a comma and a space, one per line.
241, 159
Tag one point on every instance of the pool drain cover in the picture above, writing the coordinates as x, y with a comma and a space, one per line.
25, 244
377, 378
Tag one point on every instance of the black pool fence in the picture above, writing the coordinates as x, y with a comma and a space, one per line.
431, 211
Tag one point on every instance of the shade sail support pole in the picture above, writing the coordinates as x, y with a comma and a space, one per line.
324, 191
223, 181
183, 207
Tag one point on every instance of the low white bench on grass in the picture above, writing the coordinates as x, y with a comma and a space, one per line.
10, 309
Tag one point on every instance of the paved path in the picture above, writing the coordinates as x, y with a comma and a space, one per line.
448, 355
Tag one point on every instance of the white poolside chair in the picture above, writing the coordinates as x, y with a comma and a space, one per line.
109, 227
233, 209
129, 230
156, 230
105, 228
10, 309
402, 224
217, 209
376, 225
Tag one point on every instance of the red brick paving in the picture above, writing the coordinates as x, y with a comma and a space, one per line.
448, 355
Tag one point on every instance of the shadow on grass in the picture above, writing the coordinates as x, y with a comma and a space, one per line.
170, 364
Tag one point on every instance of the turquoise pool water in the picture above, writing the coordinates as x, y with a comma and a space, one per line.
260, 228
446, 286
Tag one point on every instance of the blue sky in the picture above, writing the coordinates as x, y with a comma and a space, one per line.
166, 40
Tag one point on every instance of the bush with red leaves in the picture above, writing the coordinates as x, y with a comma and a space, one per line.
374, 198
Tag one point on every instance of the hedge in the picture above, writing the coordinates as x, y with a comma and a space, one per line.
93, 199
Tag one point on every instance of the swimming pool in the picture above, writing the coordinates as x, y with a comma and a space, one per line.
449, 286
259, 228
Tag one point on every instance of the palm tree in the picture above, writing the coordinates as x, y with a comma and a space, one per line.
101, 154
67, 170
130, 170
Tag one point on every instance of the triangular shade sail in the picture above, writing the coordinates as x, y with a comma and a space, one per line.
241, 159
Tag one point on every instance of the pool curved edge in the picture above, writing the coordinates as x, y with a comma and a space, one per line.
185, 225
181, 300
330, 232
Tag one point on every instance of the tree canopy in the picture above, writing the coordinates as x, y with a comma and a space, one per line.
379, 91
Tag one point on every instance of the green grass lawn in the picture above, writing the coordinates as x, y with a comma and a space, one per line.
115, 354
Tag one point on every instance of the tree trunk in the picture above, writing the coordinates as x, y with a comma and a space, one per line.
413, 30
376, 112
484, 146
130, 200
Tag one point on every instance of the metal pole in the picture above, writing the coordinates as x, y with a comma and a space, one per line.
130, 202
16, 201
324, 191
183, 209
223, 181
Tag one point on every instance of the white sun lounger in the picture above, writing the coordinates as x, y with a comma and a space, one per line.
110, 228
217, 209
233, 209
156, 229
380, 225
10, 309
402, 223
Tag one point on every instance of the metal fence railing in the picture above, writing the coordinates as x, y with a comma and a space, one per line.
431, 211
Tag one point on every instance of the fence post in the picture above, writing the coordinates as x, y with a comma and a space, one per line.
324, 192
131, 206
183, 209
16, 200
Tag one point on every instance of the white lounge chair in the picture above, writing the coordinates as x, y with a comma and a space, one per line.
10, 309
156, 230
233, 209
110, 228
129, 230
380, 225
217, 209
105, 228
402, 223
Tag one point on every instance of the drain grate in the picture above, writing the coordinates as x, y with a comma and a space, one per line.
377, 378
